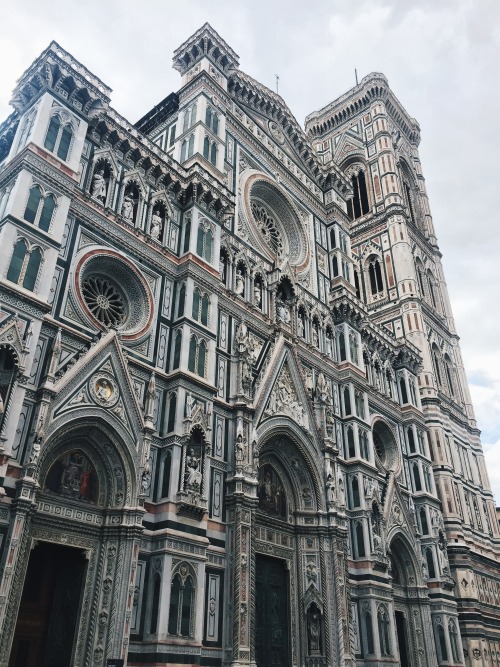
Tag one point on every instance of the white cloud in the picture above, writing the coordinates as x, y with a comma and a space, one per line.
440, 58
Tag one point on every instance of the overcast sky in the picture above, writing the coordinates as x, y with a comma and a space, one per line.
442, 59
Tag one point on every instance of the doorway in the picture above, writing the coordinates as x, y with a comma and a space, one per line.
402, 639
50, 604
272, 640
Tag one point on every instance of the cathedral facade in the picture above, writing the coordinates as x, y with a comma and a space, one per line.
235, 426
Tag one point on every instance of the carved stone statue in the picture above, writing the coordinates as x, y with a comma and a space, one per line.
190, 405
321, 388
240, 451
145, 480
156, 225
257, 294
35, 450
330, 489
341, 492
128, 207
240, 283
193, 478
98, 189
313, 632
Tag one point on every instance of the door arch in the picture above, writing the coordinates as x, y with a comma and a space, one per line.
85, 509
291, 583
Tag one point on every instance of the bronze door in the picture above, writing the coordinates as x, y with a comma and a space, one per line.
272, 613
50, 605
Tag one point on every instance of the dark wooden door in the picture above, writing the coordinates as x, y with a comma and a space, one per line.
50, 605
272, 613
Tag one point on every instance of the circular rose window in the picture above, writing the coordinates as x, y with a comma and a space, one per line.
275, 222
113, 293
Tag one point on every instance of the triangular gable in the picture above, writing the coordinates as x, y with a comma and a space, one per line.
100, 380
10, 336
283, 391
397, 514
348, 144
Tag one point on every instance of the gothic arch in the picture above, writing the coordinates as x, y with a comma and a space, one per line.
404, 558
116, 463
287, 445
385, 443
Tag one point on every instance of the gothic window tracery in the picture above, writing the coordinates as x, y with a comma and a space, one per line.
374, 271
205, 241
197, 356
358, 205
40, 208
268, 228
59, 137
212, 120
25, 264
181, 609
201, 305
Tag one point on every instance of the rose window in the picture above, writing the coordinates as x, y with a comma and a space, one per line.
103, 300
113, 293
268, 229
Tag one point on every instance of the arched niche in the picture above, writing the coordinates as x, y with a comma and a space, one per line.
93, 448
291, 473
73, 476
403, 564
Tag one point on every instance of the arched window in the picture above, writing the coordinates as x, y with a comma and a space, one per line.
429, 558
65, 142
431, 283
206, 148
213, 153
375, 276
356, 502
184, 149
342, 346
155, 607
58, 138
173, 612
24, 265
172, 408
351, 450
180, 617
368, 627
363, 440
204, 309
442, 643
52, 133
411, 440
436, 358
209, 240
48, 207
192, 354
202, 352
347, 401
402, 389
196, 305
424, 526
34, 198
182, 300
356, 284
204, 242
17, 261
177, 350
191, 146
32, 268
211, 120
360, 539
39, 210
358, 205
416, 477
383, 630
165, 482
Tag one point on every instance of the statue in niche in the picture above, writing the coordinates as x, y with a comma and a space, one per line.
377, 540
240, 283
330, 489
321, 388
301, 330
314, 630
282, 312
193, 473
341, 491
98, 189
156, 225
128, 207
257, 294
190, 405
315, 337
271, 492
329, 343
222, 268
240, 451
443, 558
35, 450
145, 480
